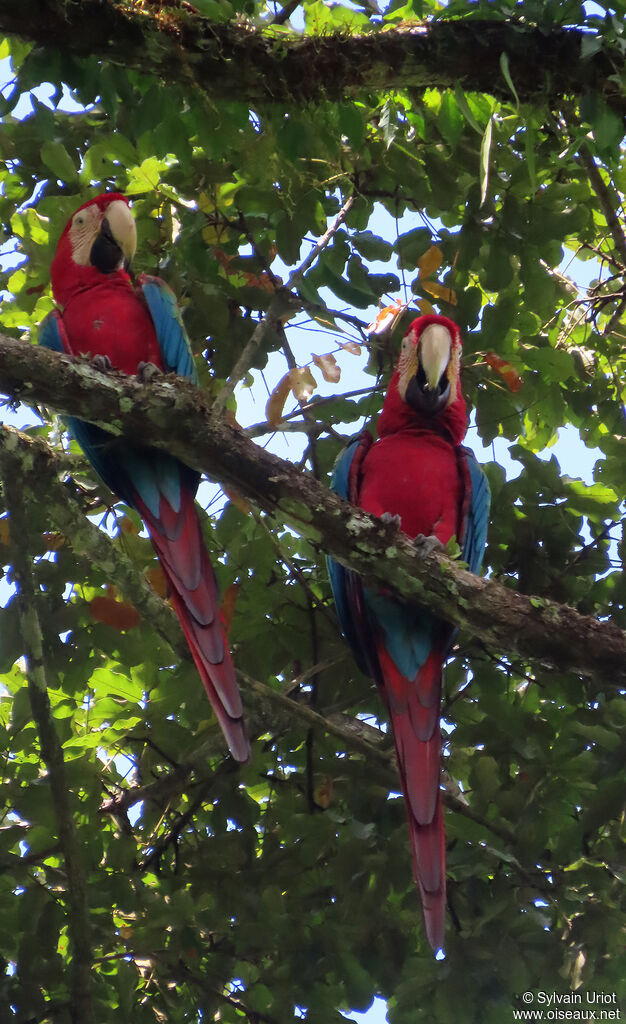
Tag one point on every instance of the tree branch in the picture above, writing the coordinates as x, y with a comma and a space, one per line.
256, 65
51, 749
173, 415
31, 459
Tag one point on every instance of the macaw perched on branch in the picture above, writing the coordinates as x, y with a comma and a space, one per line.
417, 473
134, 326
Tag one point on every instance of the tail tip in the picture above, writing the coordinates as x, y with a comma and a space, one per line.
239, 745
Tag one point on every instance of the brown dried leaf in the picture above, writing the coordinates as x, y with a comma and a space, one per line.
352, 347
53, 540
276, 401
328, 365
128, 526
323, 793
302, 383
118, 614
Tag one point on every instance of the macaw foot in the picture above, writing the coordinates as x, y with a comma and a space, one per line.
428, 544
390, 520
147, 372
102, 363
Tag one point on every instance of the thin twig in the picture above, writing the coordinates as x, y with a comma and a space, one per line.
259, 429
284, 15
608, 200
276, 308
383, 758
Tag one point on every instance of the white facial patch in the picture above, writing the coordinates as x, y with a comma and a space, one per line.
407, 362
86, 225
84, 229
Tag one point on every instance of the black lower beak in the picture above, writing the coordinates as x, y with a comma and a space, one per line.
424, 399
106, 255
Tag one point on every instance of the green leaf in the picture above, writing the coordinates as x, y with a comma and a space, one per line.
387, 122
506, 71
56, 157
450, 119
485, 156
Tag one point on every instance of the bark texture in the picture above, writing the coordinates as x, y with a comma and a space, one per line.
239, 61
174, 415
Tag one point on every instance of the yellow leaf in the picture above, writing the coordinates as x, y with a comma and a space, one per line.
157, 579
303, 383
440, 291
205, 203
425, 307
5, 534
326, 321
212, 235
237, 500
430, 261
328, 365
276, 401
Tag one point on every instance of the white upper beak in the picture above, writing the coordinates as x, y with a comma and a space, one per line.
435, 349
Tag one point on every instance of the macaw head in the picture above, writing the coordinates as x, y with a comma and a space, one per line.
100, 238
425, 390
429, 364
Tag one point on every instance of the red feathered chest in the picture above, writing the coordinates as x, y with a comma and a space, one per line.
112, 320
414, 474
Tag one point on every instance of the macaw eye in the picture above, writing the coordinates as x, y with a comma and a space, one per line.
79, 220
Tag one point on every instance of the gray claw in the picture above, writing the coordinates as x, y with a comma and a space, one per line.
102, 363
428, 544
147, 372
390, 520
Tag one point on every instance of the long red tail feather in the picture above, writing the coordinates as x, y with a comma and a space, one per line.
414, 707
178, 542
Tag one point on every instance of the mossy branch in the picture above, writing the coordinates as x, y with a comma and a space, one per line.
175, 416
256, 65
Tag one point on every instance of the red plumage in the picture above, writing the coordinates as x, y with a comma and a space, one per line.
413, 471
102, 313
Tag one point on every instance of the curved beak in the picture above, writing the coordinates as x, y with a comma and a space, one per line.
116, 242
429, 390
434, 354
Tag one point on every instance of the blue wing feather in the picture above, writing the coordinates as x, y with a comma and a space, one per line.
409, 632
340, 579
364, 612
168, 323
49, 333
126, 468
478, 514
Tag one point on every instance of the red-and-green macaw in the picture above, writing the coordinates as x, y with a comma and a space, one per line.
128, 325
419, 472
